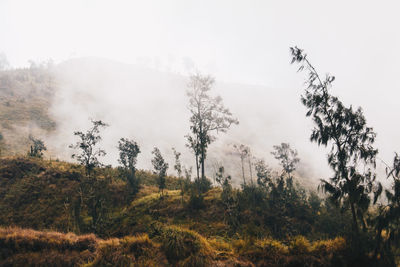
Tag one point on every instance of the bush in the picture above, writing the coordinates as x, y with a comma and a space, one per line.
185, 247
265, 251
329, 246
299, 245
128, 251
196, 201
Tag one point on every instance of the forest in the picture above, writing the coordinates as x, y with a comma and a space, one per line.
82, 212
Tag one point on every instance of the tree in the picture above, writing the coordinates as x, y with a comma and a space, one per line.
92, 192
160, 168
388, 219
228, 199
178, 169
287, 157
37, 147
249, 161
88, 153
128, 152
351, 141
243, 152
208, 115
263, 173
188, 178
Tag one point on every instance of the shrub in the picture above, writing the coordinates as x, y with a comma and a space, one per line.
323, 247
268, 251
196, 201
185, 247
299, 245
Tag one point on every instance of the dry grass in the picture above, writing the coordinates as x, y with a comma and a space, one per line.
36, 248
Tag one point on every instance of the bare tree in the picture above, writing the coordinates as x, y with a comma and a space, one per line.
208, 115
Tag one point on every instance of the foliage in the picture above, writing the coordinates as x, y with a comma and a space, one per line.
128, 152
208, 115
184, 247
298, 252
287, 157
37, 147
229, 199
160, 168
39, 194
350, 138
178, 168
88, 154
243, 152
263, 173
387, 219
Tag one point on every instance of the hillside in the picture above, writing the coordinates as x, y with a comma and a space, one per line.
40, 194
174, 246
55, 212
148, 105
26, 96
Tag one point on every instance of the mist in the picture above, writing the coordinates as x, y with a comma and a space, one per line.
128, 64
150, 107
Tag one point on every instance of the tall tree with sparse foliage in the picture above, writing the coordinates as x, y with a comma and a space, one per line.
128, 152
160, 168
208, 116
243, 152
345, 130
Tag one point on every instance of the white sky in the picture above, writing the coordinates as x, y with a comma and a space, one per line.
242, 41
237, 41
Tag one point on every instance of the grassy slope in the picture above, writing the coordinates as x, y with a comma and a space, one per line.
25, 97
38, 194
34, 194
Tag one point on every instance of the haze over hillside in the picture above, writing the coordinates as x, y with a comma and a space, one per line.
150, 106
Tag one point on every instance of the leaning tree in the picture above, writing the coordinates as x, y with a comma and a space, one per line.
344, 129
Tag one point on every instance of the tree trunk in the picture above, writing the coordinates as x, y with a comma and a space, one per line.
197, 168
244, 179
251, 171
353, 212
202, 161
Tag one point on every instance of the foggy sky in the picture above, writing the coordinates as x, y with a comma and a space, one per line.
240, 42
